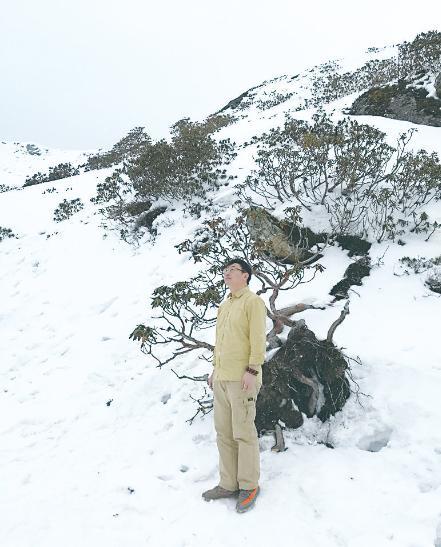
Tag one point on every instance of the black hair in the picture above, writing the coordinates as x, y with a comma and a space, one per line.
243, 264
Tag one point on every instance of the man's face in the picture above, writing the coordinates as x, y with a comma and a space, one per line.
235, 278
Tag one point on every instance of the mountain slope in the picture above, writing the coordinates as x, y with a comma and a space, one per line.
95, 446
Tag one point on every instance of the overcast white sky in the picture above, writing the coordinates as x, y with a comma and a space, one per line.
80, 74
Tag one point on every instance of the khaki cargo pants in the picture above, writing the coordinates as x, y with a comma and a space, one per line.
237, 441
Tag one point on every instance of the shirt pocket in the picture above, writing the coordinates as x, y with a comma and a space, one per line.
238, 317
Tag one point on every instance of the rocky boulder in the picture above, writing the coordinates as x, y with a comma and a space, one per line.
278, 239
401, 101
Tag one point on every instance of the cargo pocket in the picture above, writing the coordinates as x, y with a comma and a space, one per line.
244, 414
250, 409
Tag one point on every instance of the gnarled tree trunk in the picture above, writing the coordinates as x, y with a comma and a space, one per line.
306, 376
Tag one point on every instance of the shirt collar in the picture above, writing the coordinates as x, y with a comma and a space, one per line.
239, 293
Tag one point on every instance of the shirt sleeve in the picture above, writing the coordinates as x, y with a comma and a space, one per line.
256, 312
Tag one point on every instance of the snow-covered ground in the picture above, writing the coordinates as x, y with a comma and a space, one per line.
95, 448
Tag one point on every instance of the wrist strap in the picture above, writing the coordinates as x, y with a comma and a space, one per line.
252, 371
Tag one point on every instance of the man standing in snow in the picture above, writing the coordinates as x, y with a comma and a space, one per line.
236, 380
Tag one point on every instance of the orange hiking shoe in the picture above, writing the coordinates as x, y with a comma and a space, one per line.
218, 493
247, 499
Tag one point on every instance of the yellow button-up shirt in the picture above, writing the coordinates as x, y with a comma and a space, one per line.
240, 336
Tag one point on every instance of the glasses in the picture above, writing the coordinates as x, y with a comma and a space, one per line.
228, 270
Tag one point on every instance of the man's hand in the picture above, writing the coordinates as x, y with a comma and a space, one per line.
248, 381
210, 381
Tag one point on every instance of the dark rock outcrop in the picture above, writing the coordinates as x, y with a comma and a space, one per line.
400, 101
354, 244
353, 276
242, 101
146, 219
234, 103
306, 376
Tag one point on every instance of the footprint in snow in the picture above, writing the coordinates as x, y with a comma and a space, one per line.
376, 441
106, 305
200, 438
165, 478
166, 427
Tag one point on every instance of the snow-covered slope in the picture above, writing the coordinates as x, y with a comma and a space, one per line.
95, 448
289, 94
20, 160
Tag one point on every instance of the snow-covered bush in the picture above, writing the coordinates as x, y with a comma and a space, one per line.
430, 266
185, 167
367, 187
150, 173
36, 178
33, 150
132, 144
419, 264
328, 84
6, 233
60, 171
421, 55
67, 208
119, 206
433, 280
113, 188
